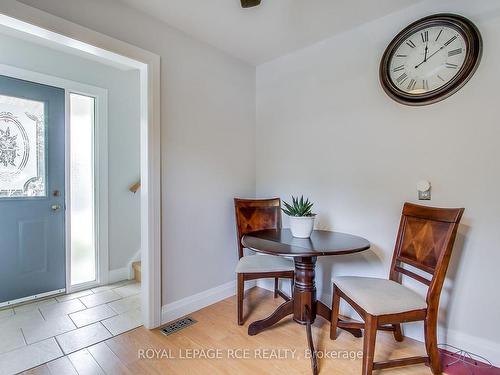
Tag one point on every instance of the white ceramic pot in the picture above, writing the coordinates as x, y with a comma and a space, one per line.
302, 227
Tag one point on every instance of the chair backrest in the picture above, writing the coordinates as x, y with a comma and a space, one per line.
425, 241
256, 214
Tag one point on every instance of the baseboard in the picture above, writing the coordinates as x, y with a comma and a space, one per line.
135, 258
473, 344
266, 284
125, 273
483, 347
119, 274
188, 305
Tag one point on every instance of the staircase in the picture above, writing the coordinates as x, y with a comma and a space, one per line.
136, 266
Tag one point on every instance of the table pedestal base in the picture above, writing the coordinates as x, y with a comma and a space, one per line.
303, 306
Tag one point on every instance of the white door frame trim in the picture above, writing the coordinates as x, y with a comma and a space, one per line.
54, 29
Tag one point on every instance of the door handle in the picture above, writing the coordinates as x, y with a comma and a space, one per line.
55, 207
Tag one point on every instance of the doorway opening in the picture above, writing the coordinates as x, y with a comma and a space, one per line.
36, 24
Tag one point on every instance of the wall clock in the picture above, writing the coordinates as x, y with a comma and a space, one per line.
431, 59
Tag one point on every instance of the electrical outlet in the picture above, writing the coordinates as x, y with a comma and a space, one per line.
424, 195
424, 190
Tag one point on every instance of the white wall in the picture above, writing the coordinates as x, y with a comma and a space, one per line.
326, 129
208, 141
123, 132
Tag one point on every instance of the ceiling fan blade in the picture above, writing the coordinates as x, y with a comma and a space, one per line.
249, 3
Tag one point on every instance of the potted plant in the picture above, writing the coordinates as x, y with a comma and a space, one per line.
301, 217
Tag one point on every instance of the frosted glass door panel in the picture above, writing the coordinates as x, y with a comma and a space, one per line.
83, 245
22, 148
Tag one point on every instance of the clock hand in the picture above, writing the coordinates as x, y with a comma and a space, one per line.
416, 66
425, 56
436, 52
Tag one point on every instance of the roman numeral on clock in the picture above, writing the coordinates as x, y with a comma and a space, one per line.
411, 44
403, 77
411, 85
451, 40
451, 66
425, 84
425, 36
401, 55
398, 68
440, 32
454, 52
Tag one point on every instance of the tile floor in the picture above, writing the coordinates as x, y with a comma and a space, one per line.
39, 332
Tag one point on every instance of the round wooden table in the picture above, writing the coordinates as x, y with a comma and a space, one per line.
303, 304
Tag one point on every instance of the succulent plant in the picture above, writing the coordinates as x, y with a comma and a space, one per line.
298, 208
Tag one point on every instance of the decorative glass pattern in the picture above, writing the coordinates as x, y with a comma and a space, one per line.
22, 148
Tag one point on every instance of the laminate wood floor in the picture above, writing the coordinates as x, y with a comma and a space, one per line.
280, 350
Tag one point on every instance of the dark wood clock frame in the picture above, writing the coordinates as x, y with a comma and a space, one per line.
474, 42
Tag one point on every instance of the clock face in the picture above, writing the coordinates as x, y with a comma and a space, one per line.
431, 59
428, 59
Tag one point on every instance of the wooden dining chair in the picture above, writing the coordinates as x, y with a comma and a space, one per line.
424, 242
254, 215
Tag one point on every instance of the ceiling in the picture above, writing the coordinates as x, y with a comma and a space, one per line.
273, 29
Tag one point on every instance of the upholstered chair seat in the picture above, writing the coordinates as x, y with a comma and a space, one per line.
379, 296
264, 263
